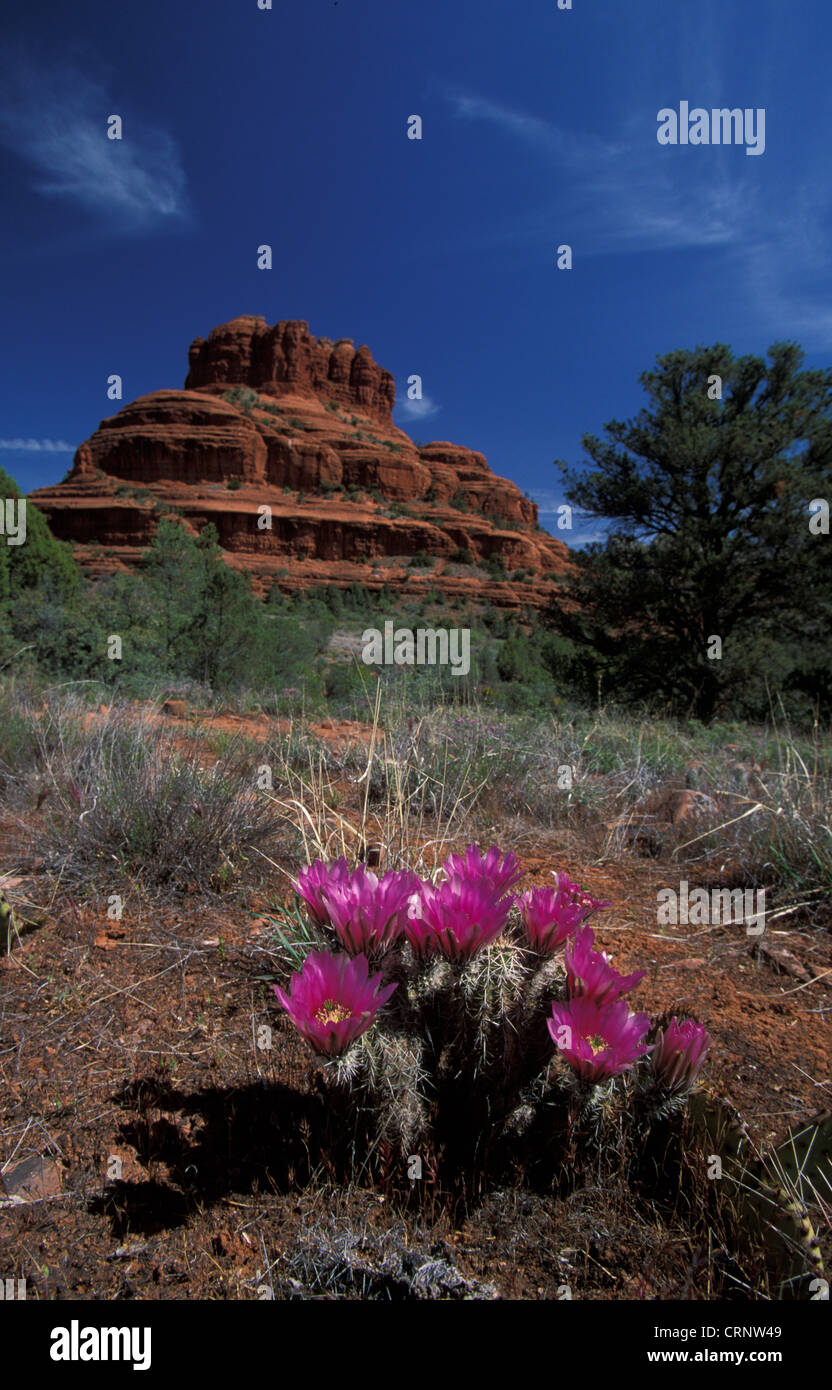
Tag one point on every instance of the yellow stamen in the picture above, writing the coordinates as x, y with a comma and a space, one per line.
332, 1012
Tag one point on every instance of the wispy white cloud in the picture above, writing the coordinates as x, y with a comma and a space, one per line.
569, 147
37, 446
635, 196
548, 520
417, 410
55, 120
582, 537
547, 500
621, 195
584, 528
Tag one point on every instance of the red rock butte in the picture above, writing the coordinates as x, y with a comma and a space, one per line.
275, 418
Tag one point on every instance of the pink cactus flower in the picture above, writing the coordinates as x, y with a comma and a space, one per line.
312, 882
552, 915
679, 1054
598, 1041
590, 974
332, 1002
368, 913
456, 918
499, 871
576, 894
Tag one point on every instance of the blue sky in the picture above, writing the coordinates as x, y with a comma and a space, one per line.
289, 126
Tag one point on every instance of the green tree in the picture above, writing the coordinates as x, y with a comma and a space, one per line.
227, 628
709, 499
39, 579
172, 580
40, 556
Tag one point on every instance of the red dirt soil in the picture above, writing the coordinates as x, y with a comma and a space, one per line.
136, 1041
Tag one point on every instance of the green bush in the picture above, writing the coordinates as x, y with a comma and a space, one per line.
242, 397
495, 566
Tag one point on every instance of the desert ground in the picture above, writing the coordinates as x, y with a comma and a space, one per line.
165, 1130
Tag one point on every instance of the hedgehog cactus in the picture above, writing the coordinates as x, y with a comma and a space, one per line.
484, 1003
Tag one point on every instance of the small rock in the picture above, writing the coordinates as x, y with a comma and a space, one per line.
782, 960
34, 1179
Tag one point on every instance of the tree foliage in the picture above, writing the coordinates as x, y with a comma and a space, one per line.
709, 500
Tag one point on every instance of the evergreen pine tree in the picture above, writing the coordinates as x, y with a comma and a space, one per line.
709, 499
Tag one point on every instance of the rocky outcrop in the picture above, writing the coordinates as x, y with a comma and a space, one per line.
179, 435
287, 360
271, 417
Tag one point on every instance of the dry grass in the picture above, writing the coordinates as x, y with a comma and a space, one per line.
401, 809
123, 798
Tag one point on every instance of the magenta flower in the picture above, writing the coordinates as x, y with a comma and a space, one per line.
456, 918
576, 894
312, 882
332, 1002
589, 973
498, 871
598, 1041
551, 915
367, 912
679, 1054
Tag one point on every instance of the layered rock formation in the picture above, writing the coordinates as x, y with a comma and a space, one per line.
274, 418
287, 360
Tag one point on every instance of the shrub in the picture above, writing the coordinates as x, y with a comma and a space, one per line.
495, 566
243, 397
344, 682
148, 808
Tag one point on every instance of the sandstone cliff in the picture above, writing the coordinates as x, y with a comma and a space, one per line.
275, 417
